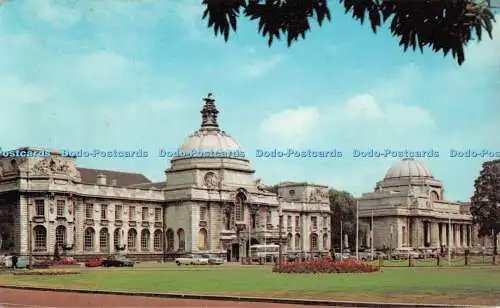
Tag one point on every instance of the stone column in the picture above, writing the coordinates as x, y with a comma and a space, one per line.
415, 240
463, 235
457, 235
427, 231
445, 234
434, 234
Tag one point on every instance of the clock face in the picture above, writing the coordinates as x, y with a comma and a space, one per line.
211, 179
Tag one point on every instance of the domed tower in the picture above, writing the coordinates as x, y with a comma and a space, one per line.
407, 210
209, 192
209, 158
412, 177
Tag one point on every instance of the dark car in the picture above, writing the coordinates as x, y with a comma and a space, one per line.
117, 262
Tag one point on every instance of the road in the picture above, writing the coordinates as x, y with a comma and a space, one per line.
12, 298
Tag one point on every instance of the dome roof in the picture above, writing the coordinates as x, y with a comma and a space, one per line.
209, 137
206, 140
408, 167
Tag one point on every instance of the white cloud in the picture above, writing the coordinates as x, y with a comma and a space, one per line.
360, 119
291, 126
399, 84
13, 91
257, 68
54, 12
105, 68
362, 105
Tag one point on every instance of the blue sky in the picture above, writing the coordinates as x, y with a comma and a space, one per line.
131, 74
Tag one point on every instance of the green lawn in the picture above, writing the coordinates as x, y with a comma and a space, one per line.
423, 285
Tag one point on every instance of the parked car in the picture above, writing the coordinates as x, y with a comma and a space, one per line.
119, 261
192, 260
365, 255
380, 255
214, 260
430, 253
405, 253
93, 263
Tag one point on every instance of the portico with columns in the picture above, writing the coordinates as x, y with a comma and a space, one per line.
407, 209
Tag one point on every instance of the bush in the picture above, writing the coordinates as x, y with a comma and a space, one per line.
326, 266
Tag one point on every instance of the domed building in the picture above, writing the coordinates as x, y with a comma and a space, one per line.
210, 203
408, 209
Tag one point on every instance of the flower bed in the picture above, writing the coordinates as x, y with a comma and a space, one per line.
50, 272
326, 266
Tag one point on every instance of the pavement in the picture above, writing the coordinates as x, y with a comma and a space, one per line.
15, 298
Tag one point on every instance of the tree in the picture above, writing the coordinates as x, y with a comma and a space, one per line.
343, 207
442, 25
485, 203
57, 254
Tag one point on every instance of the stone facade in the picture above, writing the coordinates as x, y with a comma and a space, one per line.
408, 209
206, 205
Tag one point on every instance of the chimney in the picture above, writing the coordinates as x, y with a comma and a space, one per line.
101, 179
113, 182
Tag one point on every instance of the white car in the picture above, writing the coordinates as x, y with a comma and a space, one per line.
192, 260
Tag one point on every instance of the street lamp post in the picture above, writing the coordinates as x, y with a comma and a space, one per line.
357, 230
341, 238
280, 240
253, 211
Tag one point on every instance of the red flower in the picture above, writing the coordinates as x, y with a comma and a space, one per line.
325, 266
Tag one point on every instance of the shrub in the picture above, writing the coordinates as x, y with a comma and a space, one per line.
326, 266
50, 272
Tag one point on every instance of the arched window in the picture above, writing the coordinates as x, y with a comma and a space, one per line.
116, 237
289, 239
181, 237
88, 239
103, 239
202, 239
325, 241
239, 207
170, 240
145, 240
132, 239
314, 241
60, 235
157, 241
434, 195
40, 238
298, 243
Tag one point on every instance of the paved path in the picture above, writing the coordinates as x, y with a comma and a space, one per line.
12, 298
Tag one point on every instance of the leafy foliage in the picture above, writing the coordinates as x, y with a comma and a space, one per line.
485, 203
442, 25
343, 206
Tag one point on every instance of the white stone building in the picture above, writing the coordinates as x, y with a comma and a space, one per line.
408, 209
206, 205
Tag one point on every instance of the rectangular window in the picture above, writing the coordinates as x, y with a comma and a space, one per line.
269, 217
314, 222
203, 213
40, 207
289, 221
61, 204
104, 212
158, 214
325, 222
144, 213
89, 211
297, 222
131, 213
118, 212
